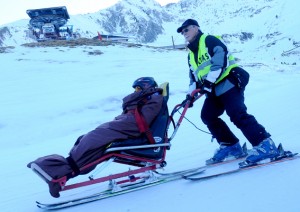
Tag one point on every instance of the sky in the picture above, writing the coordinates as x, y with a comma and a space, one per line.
16, 9
50, 96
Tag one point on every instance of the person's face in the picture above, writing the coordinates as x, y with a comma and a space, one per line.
189, 32
137, 89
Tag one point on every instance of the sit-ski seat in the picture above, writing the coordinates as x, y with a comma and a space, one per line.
142, 147
138, 152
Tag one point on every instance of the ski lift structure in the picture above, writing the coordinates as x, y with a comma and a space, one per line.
50, 23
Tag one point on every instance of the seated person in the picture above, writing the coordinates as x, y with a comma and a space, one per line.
92, 145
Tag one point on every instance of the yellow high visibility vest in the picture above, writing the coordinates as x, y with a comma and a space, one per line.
204, 62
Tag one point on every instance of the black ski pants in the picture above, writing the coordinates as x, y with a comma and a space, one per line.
232, 102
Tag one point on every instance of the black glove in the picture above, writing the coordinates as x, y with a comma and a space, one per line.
188, 98
206, 87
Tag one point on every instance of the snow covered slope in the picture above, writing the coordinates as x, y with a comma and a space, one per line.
50, 96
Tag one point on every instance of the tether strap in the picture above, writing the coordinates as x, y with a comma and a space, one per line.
143, 126
73, 165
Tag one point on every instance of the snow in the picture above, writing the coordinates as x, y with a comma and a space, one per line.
50, 96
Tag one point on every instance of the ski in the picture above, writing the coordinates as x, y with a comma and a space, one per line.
92, 198
192, 170
283, 158
161, 178
122, 190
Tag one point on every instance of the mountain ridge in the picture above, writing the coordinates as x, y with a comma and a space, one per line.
262, 24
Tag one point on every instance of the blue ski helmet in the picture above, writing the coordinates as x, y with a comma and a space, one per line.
144, 83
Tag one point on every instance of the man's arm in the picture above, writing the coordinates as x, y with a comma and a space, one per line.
218, 52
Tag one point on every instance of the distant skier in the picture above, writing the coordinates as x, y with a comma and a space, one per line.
90, 147
213, 69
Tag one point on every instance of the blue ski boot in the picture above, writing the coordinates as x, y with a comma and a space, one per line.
226, 152
265, 150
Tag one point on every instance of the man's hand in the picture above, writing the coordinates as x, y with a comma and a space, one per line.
206, 87
192, 87
188, 98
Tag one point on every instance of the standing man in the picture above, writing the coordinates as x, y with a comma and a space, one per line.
213, 69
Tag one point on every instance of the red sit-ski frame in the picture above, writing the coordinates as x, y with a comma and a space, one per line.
145, 164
